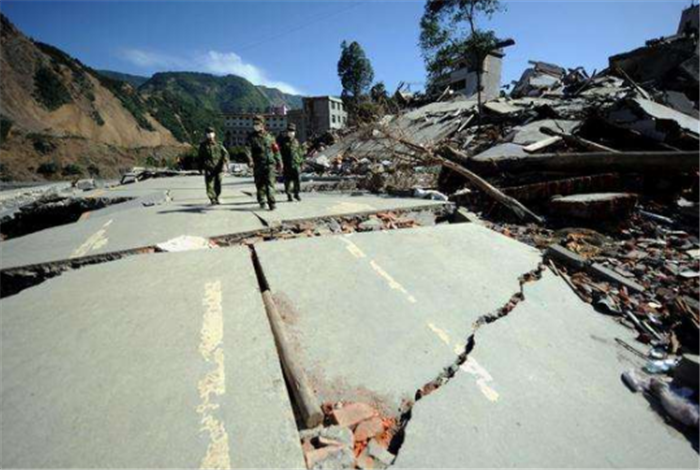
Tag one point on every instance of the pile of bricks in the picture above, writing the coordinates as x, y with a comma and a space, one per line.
357, 436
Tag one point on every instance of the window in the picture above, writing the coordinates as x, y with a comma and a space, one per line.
333, 118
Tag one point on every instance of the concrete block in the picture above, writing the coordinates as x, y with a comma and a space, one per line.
567, 257
609, 275
601, 206
462, 215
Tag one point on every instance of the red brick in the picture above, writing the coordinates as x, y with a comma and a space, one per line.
353, 413
367, 429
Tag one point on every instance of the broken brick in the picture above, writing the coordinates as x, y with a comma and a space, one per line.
353, 413
369, 428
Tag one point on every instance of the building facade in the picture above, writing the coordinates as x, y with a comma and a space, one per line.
323, 114
238, 125
464, 79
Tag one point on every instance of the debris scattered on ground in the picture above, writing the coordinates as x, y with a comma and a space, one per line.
355, 436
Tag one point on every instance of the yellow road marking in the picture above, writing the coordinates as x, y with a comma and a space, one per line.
94, 242
213, 384
391, 281
442, 334
353, 249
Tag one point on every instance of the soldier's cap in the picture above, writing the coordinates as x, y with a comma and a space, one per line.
209, 129
259, 120
291, 126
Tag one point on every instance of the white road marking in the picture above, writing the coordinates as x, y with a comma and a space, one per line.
94, 242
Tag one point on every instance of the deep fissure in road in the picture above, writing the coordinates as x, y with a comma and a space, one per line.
49, 212
449, 372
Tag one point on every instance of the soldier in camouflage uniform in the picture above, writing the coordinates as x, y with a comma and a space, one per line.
292, 159
213, 158
263, 151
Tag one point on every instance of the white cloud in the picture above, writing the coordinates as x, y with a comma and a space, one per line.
214, 62
151, 60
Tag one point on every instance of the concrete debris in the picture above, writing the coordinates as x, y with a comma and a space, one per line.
185, 243
600, 206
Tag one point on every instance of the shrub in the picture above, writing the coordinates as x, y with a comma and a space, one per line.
72, 170
49, 90
5, 126
48, 169
93, 170
42, 143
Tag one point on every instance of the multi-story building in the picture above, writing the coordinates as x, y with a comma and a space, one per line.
238, 125
319, 115
464, 79
322, 114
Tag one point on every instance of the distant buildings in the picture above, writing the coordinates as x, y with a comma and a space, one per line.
319, 115
238, 125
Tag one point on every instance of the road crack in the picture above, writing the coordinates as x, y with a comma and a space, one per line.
449, 372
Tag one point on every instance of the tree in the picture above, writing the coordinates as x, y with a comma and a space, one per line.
355, 72
450, 36
378, 93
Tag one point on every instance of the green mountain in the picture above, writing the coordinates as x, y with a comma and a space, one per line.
133, 80
187, 102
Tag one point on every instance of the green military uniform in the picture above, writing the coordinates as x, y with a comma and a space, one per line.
292, 159
212, 160
262, 149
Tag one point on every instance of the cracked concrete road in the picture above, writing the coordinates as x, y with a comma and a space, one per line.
542, 388
376, 316
188, 213
155, 361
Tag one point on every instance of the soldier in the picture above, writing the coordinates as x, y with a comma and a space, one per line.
292, 159
213, 158
263, 152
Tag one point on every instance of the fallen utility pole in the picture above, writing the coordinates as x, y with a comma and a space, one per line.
303, 394
594, 162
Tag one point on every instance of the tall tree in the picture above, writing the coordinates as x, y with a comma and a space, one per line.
355, 72
450, 35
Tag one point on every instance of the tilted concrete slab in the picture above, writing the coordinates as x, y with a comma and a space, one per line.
127, 230
159, 361
542, 388
375, 316
314, 205
132, 225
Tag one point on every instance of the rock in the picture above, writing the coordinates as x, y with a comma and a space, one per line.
370, 225
353, 413
86, 184
379, 452
330, 457
338, 434
368, 429
598, 206
129, 178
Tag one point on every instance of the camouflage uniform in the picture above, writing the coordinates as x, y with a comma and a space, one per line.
212, 160
292, 159
262, 149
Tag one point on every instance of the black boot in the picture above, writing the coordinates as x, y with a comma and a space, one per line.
296, 196
289, 198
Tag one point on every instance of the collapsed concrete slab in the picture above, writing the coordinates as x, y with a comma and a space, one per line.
542, 388
156, 361
378, 315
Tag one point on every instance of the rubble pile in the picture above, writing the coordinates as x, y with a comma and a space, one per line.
355, 436
605, 164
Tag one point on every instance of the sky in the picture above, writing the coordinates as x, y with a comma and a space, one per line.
295, 45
